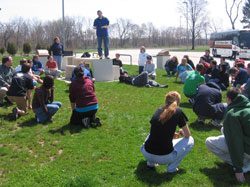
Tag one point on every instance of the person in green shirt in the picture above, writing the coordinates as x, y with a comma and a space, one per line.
193, 80
233, 146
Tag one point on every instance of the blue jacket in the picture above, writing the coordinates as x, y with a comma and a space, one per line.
207, 102
56, 49
86, 73
37, 65
241, 78
98, 23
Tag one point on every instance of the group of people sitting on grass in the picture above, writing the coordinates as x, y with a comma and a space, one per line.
204, 89
16, 86
163, 146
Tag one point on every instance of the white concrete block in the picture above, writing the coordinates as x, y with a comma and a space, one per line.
69, 69
116, 72
67, 60
103, 70
161, 60
44, 60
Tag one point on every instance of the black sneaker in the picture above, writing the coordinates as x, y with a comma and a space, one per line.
8, 101
86, 122
98, 122
14, 113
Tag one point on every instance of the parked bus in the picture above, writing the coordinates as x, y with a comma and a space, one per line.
231, 44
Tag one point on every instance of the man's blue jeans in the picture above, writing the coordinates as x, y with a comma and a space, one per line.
58, 60
41, 116
105, 40
168, 70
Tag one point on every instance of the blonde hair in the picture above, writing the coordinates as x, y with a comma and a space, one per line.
143, 48
172, 101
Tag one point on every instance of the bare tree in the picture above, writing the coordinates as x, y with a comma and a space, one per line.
194, 11
233, 11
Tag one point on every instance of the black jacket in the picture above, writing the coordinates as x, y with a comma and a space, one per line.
208, 102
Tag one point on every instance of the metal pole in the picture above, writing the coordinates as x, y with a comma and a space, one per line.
185, 2
63, 26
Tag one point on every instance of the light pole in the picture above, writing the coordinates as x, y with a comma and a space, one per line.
63, 26
185, 2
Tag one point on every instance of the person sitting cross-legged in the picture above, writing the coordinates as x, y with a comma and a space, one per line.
193, 80
163, 146
207, 104
223, 77
43, 103
20, 91
233, 146
83, 100
51, 68
37, 67
150, 68
182, 70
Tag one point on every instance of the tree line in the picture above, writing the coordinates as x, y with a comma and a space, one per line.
25, 34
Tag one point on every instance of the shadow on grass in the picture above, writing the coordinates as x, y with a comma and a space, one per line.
71, 128
7, 117
186, 105
29, 123
223, 174
203, 127
152, 177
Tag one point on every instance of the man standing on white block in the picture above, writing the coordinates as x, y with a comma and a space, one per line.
101, 25
233, 146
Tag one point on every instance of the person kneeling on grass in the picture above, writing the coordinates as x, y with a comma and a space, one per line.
83, 100
140, 80
193, 80
207, 104
150, 68
43, 101
233, 146
51, 68
20, 91
162, 146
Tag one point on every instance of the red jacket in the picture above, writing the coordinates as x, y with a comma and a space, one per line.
206, 66
82, 92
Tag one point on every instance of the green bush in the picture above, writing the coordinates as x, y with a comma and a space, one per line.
12, 48
38, 46
26, 48
2, 50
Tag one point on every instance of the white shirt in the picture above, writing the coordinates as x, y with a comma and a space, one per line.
142, 59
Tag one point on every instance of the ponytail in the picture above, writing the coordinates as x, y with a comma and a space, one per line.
172, 101
168, 112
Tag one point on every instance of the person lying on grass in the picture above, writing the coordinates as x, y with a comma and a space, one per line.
163, 146
20, 91
140, 80
233, 146
43, 103
83, 100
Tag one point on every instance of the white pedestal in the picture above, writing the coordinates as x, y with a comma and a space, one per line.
104, 70
67, 60
69, 69
161, 61
44, 60
116, 73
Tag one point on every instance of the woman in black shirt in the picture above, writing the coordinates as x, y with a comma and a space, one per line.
160, 146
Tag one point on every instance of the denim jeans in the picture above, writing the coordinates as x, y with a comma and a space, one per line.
41, 116
182, 147
106, 45
168, 70
141, 68
58, 60
183, 76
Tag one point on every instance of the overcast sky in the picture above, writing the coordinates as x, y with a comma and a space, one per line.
162, 13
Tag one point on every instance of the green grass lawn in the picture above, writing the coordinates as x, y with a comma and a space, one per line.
57, 154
